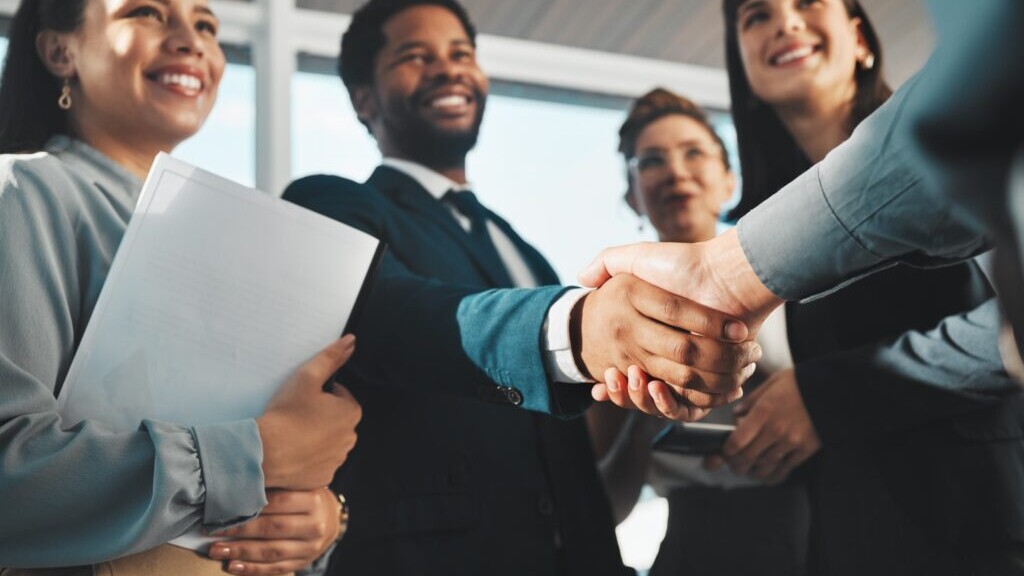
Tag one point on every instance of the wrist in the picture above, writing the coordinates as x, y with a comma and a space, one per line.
729, 272
576, 336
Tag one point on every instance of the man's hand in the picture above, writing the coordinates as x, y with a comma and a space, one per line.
293, 530
307, 433
774, 433
699, 351
714, 273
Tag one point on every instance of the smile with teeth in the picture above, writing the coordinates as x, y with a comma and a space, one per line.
794, 54
186, 81
452, 101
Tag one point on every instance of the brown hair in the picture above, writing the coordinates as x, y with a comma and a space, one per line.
655, 105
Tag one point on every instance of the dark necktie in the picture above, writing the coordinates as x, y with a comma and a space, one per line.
466, 203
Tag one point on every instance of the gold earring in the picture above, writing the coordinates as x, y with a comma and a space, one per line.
65, 96
868, 62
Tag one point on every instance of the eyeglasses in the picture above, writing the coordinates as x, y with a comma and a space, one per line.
654, 163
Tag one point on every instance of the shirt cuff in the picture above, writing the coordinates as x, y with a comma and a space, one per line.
231, 456
559, 360
782, 231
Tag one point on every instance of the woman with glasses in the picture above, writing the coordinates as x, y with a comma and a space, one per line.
91, 91
679, 178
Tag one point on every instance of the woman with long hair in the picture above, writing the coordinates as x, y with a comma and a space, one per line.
803, 74
679, 177
91, 91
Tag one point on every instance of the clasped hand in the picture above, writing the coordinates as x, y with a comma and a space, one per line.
703, 354
294, 529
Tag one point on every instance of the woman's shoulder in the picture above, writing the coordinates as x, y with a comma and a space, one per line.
41, 173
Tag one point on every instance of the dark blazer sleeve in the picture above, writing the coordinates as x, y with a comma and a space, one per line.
914, 379
421, 333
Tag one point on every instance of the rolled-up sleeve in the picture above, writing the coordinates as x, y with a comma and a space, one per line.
866, 206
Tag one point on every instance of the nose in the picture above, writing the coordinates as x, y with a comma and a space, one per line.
444, 68
184, 39
790, 20
676, 167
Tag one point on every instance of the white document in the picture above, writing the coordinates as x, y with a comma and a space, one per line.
218, 292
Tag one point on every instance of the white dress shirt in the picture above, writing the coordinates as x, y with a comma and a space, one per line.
558, 358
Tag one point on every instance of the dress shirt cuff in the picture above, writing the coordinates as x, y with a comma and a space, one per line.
559, 360
797, 245
231, 455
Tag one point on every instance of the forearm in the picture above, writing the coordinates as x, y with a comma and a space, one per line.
88, 495
917, 378
867, 205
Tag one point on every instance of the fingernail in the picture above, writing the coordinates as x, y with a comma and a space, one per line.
736, 331
236, 567
750, 370
634, 382
348, 340
613, 384
220, 552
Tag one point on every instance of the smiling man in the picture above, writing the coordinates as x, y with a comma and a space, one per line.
468, 345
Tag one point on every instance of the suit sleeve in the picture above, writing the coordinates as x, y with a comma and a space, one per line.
866, 206
422, 333
915, 379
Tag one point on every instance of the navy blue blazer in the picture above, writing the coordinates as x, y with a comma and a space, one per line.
455, 470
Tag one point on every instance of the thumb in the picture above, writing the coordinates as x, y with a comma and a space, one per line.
328, 361
610, 262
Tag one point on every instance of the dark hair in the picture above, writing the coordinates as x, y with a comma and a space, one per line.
769, 156
29, 114
365, 36
654, 106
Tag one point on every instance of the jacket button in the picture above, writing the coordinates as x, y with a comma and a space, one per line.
515, 397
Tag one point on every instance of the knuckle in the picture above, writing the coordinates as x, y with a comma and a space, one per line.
686, 351
671, 307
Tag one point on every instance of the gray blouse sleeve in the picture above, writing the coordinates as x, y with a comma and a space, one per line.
867, 205
87, 494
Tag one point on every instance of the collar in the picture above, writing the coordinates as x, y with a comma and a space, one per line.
434, 182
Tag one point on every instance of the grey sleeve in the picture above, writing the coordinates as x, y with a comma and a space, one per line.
88, 494
917, 378
866, 206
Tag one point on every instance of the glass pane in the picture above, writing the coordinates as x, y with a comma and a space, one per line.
226, 145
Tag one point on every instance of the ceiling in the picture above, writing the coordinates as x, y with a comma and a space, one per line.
686, 31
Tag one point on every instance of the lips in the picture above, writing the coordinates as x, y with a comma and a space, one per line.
182, 80
792, 54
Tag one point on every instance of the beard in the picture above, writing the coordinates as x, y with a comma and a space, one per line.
425, 142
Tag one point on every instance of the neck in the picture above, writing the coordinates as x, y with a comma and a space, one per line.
689, 238
818, 126
135, 156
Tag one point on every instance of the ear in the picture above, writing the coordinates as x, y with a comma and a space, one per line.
862, 43
56, 52
365, 104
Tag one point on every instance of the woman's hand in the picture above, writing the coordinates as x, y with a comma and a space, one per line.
774, 433
307, 433
637, 391
293, 530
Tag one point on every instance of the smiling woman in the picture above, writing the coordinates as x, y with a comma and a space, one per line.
91, 91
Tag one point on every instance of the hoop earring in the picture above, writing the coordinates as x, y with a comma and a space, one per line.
868, 62
65, 96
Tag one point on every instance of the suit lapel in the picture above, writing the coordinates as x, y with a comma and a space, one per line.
539, 266
407, 192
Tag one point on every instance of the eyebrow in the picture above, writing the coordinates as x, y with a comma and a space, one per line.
750, 5
200, 9
412, 44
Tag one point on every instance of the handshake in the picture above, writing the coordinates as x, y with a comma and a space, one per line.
669, 329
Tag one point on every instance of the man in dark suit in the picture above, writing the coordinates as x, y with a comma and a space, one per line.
451, 475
